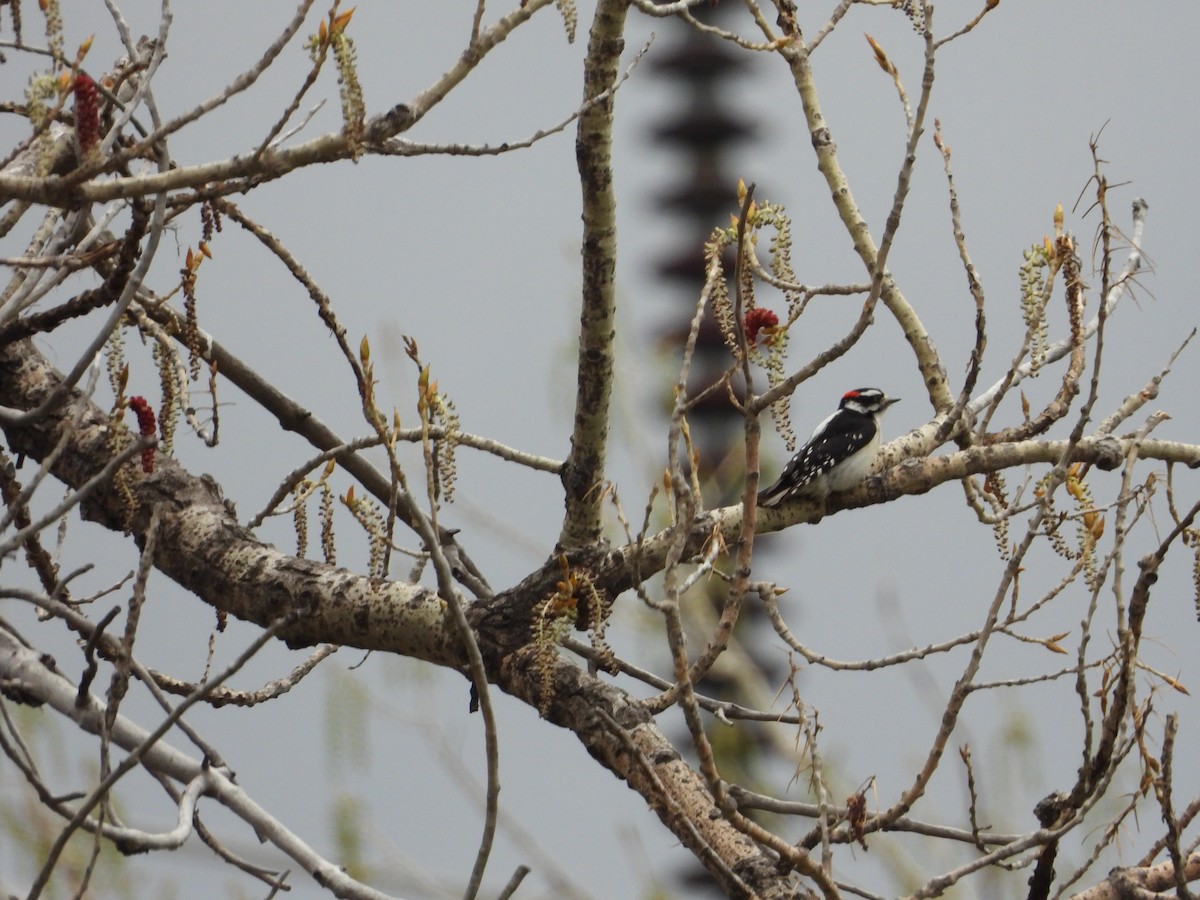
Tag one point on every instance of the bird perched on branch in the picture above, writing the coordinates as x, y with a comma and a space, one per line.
840, 453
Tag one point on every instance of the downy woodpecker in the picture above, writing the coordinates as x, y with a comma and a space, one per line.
840, 452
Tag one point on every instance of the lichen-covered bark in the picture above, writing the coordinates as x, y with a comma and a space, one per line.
620, 734
583, 474
202, 546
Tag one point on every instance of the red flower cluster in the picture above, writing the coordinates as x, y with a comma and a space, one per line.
146, 427
759, 319
87, 114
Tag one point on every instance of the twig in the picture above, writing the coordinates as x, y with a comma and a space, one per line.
972, 809
712, 856
521, 871
1112, 297
873, 257
28, 668
10, 418
78, 496
403, 147
309, 81
102, 789
223, 696
988, 6
722, 709
748, 799
974, 285
1165, 786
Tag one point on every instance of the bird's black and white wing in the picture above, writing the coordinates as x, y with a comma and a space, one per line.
806, 472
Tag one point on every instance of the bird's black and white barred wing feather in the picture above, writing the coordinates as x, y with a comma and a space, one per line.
803, 475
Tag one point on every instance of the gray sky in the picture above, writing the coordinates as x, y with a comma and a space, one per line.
478, 260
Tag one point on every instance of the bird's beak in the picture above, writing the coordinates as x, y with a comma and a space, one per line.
890, 401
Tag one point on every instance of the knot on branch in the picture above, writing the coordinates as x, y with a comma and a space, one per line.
1109, 454
578, 580
387, 125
